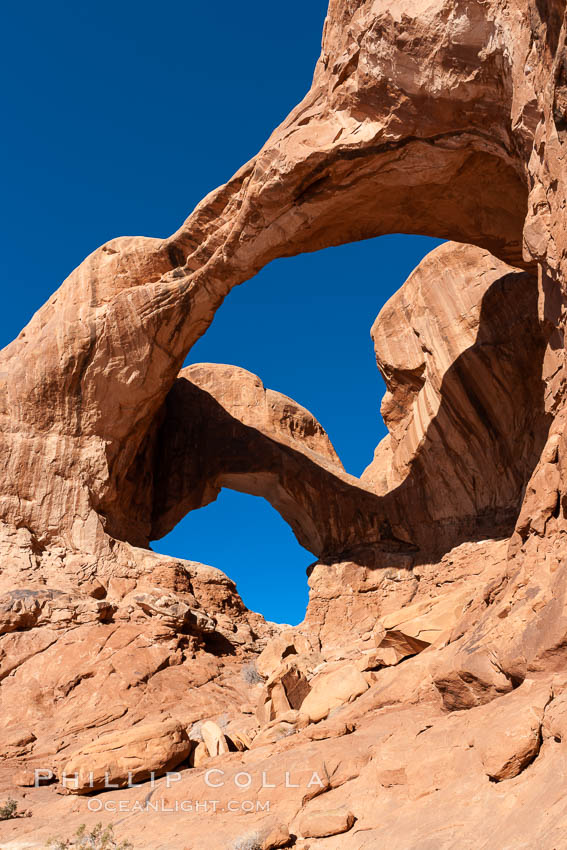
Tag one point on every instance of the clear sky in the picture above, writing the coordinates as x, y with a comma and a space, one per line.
118, 117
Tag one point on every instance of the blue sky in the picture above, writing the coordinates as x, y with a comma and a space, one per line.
118, 118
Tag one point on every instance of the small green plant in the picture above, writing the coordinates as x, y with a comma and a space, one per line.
9, 809
99, 838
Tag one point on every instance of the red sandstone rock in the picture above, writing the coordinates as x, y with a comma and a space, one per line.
119, 758
324, 822
331, 690
465, 402
433, 118
214, 739
222, 428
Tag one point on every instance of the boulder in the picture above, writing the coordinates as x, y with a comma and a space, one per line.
426, 622
287, 687
324, 822
280, 704
240, 734
278, 648
412, 629
331, 690
214, 739
24, 778
264, 710
125, 757
284, 646
16, 740
199, 754
394, 647
274, 732
174, 612
511, 734
25, 608
295, 685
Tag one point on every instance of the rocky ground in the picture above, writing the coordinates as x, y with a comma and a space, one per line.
421, 704
364, 737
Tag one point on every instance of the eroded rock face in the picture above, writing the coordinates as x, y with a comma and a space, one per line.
440, 118
461, 348
222, 428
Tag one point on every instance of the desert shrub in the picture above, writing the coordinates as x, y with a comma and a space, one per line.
98, 838
247, 842
250, 674
9, 809
195, 733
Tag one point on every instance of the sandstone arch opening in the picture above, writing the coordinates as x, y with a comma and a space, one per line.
248, 540
302, 325
464, 409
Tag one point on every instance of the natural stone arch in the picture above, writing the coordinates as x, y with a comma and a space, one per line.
222, 428
465, 410
378, 145
83, 403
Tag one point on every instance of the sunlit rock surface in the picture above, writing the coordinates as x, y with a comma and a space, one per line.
422, 702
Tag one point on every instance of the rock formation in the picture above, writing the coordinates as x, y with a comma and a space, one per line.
221, 428
422, 703
465, 405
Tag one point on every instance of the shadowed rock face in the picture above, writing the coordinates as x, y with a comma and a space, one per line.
223, 429
437, 117
461, 348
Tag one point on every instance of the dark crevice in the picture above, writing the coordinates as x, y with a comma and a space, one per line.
346, 154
